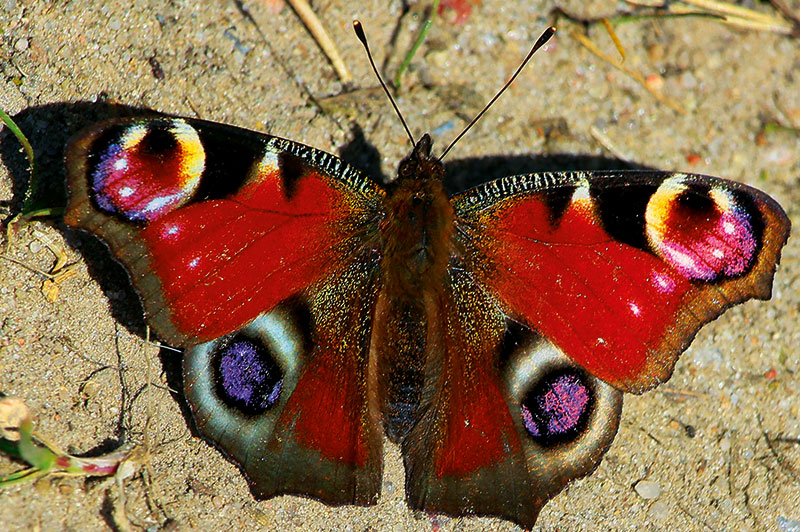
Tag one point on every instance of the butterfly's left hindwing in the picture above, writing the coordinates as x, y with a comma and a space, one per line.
253, 252
620, 270
291, 397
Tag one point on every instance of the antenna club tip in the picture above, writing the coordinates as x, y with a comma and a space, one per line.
359, 29
544, 37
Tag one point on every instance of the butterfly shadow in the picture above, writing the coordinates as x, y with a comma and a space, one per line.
463, 174
50, 127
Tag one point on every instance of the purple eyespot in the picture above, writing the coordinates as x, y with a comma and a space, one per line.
247, 375
558, 407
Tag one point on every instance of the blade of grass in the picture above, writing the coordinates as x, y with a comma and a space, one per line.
726, 12
46, 458
417, 43
623, 19
725, 8
614, 38
32, 183
26, 475
741, 17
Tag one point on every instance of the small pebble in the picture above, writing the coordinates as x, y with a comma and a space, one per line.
788, 525
90, 389
13, 413
21, 45
693, 158
688, 81
659, 511
44, 487
647, 489
654, 82
598, 91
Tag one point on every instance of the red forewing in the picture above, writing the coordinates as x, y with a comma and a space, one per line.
621, 270
215, 224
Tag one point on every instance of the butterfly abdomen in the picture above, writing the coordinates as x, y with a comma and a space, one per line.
417, 243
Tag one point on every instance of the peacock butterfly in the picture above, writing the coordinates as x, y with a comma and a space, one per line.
490, 334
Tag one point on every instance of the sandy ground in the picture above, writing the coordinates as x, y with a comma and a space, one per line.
80, 362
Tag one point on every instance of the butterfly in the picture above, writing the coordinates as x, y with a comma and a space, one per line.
490, 334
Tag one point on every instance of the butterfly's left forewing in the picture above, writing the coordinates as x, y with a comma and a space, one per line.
255, 253
215, 224
620, 270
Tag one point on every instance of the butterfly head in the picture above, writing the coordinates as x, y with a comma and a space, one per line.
420, 165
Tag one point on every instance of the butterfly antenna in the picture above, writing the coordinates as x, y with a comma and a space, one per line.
549, 32
363, 38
